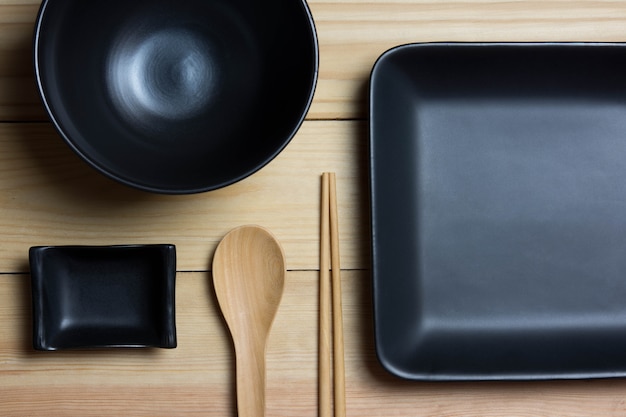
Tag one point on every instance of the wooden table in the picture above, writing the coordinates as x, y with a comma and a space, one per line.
48, 196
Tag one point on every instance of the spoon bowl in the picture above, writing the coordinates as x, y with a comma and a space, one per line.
248, 277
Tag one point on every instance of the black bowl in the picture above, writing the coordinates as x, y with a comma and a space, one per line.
176, 97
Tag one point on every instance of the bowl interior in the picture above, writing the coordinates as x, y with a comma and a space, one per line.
176, 96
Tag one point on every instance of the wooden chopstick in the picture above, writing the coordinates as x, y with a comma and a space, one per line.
329, 236
338, 355
325, 386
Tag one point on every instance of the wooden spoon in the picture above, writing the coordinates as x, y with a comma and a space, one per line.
249, 276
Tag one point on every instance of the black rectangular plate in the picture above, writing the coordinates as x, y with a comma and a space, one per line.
103, 296
498, 192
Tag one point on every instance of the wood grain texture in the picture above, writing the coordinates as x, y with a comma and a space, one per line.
19, 100
49, 196
248, 279
352, 34
197, 378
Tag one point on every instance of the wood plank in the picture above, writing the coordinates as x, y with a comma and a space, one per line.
352, 34
196, 378
48, 196
19, 99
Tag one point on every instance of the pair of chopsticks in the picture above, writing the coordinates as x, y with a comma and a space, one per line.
329, 247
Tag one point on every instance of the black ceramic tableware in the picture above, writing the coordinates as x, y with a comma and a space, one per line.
176, 97
498, 210
103, 296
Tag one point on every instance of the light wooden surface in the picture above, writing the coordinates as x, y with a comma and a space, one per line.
48, 196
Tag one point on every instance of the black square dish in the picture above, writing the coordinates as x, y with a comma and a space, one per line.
103, 296
498, 186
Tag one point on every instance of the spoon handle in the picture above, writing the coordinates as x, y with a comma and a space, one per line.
251, 380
